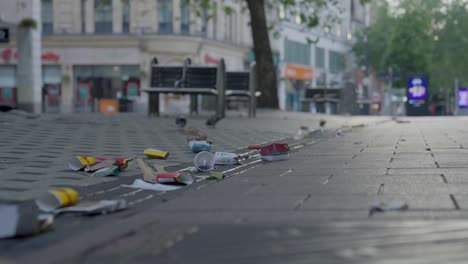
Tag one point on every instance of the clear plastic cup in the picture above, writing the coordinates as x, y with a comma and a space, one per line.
204, 161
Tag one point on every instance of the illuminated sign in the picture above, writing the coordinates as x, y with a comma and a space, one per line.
463, 97
417, 89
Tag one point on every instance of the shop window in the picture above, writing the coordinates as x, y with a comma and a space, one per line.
319, 58
103, 16
204, 21
231, 26
336, 61
47, 11
296, 52
125, 16
165, 16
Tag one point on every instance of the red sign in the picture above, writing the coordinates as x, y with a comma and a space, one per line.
211, 60
8, 55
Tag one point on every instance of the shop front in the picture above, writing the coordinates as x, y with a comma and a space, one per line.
106, 89
297, 79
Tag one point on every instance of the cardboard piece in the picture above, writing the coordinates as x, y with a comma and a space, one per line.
95, 207
140, 184
156, 153
148, 172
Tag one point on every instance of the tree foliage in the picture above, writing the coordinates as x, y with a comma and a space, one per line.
418, 37
265, 20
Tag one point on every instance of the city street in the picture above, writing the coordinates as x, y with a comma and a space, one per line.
312, 208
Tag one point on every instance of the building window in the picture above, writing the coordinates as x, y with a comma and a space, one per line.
204, 21
296, 52
47, 10
83, 16
125, 16
319, 58
230, 29
103, 16
184, 17
165, 16
336, 61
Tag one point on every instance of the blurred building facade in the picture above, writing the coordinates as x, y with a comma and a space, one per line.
317, 70
102, 49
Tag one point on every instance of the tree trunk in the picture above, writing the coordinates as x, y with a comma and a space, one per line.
266, 72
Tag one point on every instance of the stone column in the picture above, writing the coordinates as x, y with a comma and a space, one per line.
67, 89
89, 15
117, 16
177, 16
29, 70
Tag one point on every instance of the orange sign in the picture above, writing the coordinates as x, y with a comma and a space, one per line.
298, 72
108, 106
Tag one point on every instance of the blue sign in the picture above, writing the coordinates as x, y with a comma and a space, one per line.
417, 89
463, 97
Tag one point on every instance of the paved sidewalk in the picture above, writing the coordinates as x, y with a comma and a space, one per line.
312, 208
34, 150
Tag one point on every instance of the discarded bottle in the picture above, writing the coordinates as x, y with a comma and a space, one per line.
204, 161
226, 158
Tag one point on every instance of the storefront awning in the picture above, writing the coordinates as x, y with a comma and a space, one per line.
298, 72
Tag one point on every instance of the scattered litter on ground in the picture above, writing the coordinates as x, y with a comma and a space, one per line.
148, 172
402, 121
212, 121
275, 152
358, 126
22, 220
181, 121
100, 166
255, 146
383, 207
57, 198
274, 149
80, 162
156, 153
195, 134
182, 178
226, 158
104, 172
339, 133
95, 207
214, 175
275, 157
199, 146
303, 132
322, 123
204, 161
140, 184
